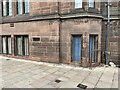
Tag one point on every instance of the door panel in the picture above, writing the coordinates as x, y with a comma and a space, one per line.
93, 48
76, 52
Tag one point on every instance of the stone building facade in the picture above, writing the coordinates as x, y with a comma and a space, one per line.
59, 32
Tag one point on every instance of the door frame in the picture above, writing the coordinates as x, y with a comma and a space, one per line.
95, 42
72, 45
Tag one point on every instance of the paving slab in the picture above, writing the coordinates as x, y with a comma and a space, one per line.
77, 79
17, 73
55, 84
48, 86
69, 85
103, 84
40, 83
58, 73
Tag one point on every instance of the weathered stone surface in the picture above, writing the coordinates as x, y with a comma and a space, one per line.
78, 27
54, 24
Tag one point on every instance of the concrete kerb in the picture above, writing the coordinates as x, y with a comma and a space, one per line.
45, 63
52, 64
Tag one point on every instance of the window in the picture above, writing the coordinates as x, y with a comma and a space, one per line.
22, 6
4, 49
6, 45
7, 8
21, 45
76, 48
10, 7
9, 45
36, 39
78, 3
4, 10
91, 3
93, 48
27, 6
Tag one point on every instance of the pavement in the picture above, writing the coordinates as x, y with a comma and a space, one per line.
16, 73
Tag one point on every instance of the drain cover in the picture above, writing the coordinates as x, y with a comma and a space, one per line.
57, 81
82, 86
7, 59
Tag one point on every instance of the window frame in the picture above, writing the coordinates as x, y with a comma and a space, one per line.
91, 4
19, 7
3, 45
10, 8
4, 8
95, 37
22, 37
6, 40
7, 7
22, 7
78, 4
26, 6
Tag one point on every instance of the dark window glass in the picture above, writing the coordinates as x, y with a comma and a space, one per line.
36, 39
78, 3
6, 45
4, 5
93, 48
21, 45
10, 7
7, 8
91, 3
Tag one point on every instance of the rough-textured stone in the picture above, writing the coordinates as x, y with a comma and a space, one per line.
54, 23
70, 27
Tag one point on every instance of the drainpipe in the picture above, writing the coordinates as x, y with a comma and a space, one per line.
59, 31
107, 32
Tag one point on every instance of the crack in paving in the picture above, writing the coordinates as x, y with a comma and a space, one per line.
99, 79
83, 76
